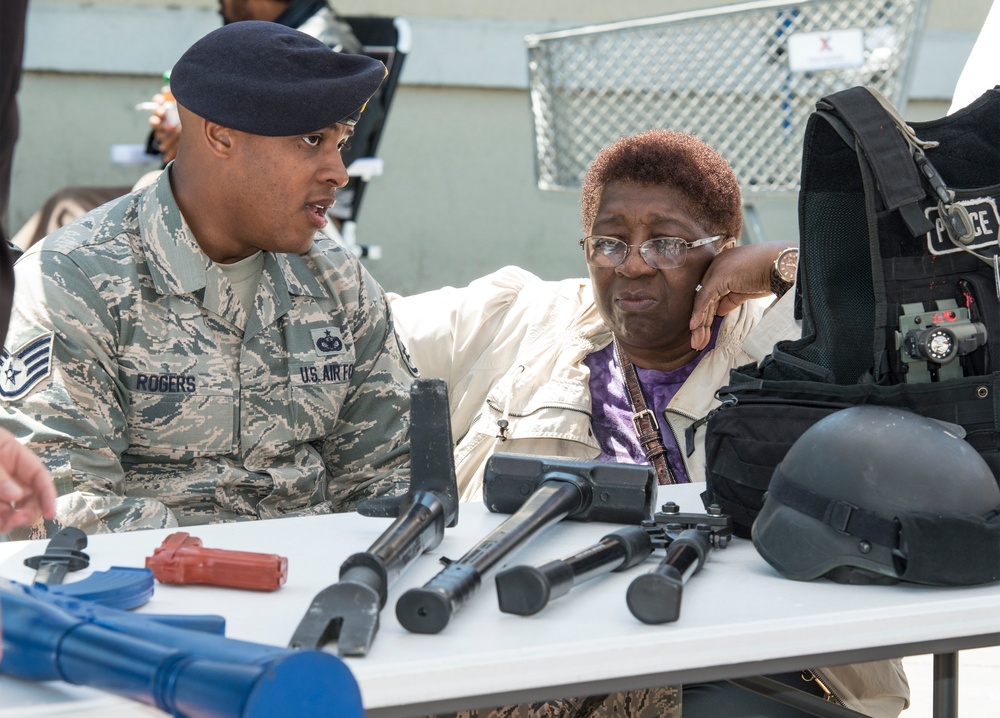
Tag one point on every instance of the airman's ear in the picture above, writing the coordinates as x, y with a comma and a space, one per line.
218, 137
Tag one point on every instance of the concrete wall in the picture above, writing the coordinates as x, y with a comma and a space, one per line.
458, 198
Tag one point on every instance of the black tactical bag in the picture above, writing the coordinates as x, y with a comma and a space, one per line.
898, 290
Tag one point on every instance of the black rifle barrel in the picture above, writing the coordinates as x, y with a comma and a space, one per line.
429, 608
348, 611
526, 590
419, 528
656, 596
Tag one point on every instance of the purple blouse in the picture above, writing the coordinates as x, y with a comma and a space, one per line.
612, 420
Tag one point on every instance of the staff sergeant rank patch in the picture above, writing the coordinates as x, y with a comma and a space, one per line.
21, 371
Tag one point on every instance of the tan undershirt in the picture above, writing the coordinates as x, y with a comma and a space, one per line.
244, 276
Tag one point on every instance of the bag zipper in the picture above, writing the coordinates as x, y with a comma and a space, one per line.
828, 694
731, 400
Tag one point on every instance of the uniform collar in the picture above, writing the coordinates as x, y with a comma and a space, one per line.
301, 271
177, 263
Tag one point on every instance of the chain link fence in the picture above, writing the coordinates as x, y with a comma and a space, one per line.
744, 78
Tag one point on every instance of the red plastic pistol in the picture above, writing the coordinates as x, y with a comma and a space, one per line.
182, 559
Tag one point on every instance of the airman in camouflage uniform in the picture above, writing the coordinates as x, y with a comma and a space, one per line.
157, 399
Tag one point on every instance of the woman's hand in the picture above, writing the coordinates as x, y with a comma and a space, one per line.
734, 276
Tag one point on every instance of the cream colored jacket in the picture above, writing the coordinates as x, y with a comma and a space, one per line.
511, 348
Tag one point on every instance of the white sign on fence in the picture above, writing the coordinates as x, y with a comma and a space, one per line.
830, 50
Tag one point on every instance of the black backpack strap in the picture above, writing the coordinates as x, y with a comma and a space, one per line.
879, 135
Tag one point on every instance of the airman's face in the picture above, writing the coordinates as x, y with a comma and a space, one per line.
283, 186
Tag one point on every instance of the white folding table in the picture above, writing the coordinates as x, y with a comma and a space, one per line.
739, 618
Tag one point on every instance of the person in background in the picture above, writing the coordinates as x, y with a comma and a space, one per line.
13, 15
619, 366
195, 352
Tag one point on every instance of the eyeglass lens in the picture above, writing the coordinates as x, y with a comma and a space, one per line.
659, 252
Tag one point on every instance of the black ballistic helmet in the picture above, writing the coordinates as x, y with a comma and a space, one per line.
873, 494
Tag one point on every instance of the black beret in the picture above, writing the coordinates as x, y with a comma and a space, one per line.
268, 79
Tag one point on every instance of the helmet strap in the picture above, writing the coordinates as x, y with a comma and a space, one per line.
836, 514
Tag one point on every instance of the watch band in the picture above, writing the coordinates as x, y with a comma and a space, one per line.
779, 282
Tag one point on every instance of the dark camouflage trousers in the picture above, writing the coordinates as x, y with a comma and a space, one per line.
652, 703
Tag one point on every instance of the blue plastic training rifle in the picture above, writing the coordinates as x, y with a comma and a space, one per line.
183, 672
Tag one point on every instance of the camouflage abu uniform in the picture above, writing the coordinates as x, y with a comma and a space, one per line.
664, 702
155, 400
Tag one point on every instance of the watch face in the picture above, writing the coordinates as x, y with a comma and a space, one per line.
787, 263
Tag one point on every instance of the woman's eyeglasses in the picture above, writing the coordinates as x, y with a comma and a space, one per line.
658, 252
